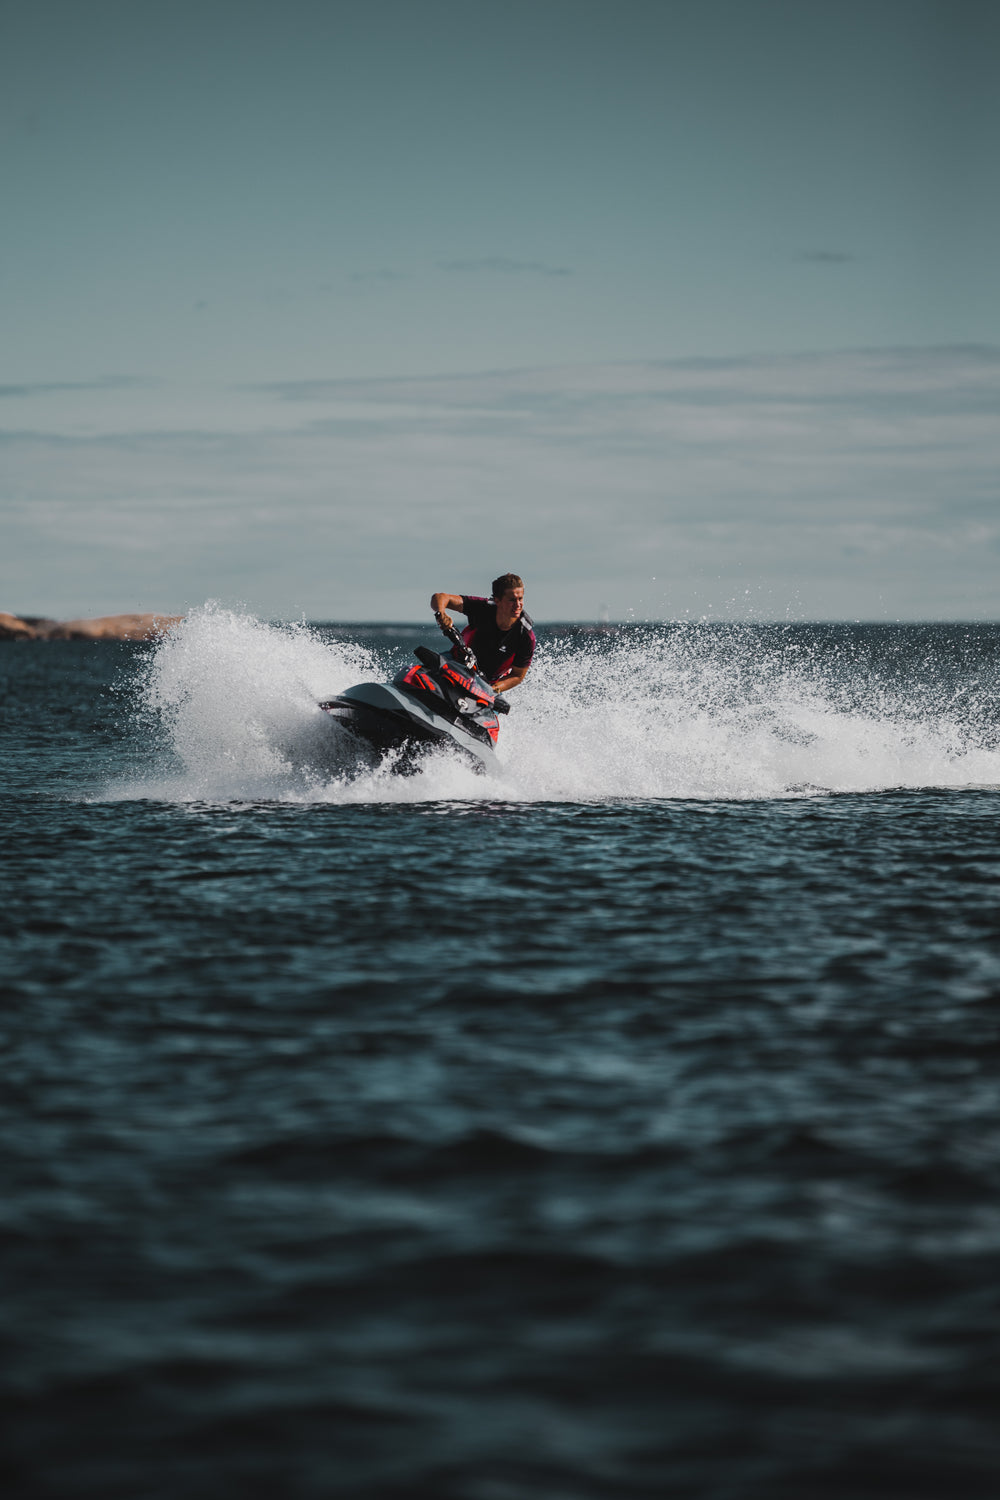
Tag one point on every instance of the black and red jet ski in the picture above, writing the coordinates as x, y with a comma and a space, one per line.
440, 703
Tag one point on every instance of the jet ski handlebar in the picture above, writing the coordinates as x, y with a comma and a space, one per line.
465, 653
467, 657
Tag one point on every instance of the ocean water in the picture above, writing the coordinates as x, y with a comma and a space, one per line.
625, 1123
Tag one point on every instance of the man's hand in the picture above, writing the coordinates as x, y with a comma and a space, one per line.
514, 676
440, 604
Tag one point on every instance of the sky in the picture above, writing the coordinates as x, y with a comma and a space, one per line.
676, 309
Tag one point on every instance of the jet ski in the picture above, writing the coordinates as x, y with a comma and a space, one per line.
442, 702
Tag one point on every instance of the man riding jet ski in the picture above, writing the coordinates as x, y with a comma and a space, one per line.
498, 631
446, 701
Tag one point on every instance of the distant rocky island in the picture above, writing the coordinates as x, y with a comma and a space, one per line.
107, 628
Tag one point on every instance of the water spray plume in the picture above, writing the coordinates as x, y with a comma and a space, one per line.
690, 712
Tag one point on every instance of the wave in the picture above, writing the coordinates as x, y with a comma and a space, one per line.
227, 711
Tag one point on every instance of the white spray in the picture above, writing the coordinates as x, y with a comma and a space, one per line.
694, 712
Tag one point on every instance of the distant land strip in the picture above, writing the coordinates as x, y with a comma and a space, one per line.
107, 628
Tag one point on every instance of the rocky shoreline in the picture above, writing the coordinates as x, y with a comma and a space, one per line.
107, 628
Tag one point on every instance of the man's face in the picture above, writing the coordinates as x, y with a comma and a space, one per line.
511, 604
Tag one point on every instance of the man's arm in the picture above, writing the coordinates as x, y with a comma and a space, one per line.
441, 603
514, 676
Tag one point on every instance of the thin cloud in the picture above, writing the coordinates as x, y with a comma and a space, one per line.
505, 265
861, 482
379, 275
55, 387
826, 257
305, 390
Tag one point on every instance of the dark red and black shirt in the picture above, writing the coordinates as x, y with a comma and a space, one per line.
496, 650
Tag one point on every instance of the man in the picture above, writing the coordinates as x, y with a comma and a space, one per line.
499, 631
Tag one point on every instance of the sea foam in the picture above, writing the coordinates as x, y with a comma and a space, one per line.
228, 708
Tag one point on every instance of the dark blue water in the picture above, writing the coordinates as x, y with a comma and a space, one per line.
625, 1124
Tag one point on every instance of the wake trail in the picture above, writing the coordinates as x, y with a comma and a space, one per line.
227, 710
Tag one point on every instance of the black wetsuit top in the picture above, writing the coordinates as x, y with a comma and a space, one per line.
496, 650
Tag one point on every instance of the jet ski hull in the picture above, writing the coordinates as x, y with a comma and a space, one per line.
386, 719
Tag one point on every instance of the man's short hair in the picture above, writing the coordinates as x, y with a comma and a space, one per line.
503, 583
